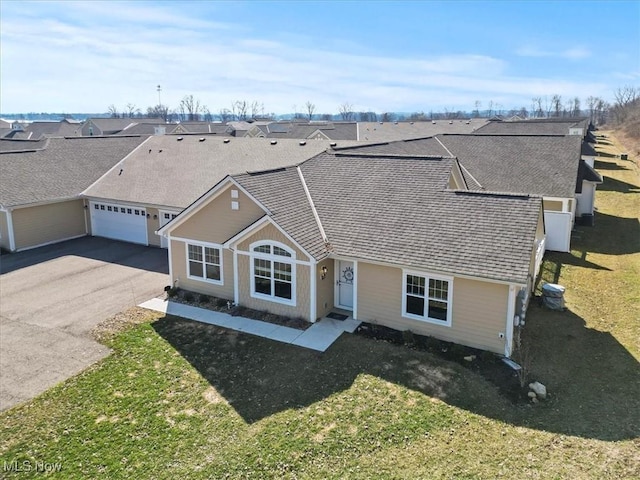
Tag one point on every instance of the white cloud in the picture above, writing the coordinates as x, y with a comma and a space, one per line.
96, 55
573, 53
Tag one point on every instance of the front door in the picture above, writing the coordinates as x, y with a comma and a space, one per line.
345, 281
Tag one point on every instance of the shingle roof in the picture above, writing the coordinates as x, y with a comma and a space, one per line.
61, 170
541, 165
280, 190
20, 145
302, 130
392, 131
398, 210
172, 172
536, 164
586, 173
35, 130
531, 127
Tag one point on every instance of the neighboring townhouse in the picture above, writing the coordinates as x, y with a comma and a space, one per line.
41, 183
376, 132
313, 130
169, 172
39, 129
395, 240
109, 126
546, 165
540, 126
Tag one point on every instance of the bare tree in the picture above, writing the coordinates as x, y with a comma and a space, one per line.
490, 108
476, 112
113, 111
367, 116
240, 109
556, 105
190, 108
346, 111
225, 115
387, 117
159, 111
626, 95
207, 114
255, 108
326, 116
311, 108
131, 110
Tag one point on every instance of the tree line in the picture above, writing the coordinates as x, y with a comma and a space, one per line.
554, 106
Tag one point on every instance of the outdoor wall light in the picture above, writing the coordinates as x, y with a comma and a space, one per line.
155, 217
324, 272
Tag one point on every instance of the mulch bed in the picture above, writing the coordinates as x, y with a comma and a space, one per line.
487, 364
222, 305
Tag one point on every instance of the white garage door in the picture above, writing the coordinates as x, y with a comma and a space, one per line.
557, 226
120, 222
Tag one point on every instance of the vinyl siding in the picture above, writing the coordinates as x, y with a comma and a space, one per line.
301, 309
325, 288
49, 223
478, 316
4, 231
179, 271
216, 222
152, 226
267, 233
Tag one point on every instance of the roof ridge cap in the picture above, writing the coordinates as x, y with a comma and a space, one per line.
312, 205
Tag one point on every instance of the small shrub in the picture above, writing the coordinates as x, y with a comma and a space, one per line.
204, 298
188, 297
172, 292
221, 302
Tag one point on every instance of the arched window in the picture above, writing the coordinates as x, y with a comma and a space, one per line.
273, 272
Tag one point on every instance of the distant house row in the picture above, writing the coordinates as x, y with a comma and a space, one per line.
298, 129
442, 234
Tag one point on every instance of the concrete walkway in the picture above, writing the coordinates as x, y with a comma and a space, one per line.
318, 337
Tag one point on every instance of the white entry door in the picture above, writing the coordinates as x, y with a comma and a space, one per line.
164, 218
345, 281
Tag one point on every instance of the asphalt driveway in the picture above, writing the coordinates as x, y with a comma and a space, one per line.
53, 296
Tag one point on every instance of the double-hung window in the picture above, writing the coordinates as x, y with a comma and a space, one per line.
427, 298
273, 273
204, 263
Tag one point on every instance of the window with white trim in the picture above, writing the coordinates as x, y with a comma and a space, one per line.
273, 272
427, 298
204, 263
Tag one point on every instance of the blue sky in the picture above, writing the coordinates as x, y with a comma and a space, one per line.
380, 56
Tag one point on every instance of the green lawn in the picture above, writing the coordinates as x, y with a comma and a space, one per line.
178, 399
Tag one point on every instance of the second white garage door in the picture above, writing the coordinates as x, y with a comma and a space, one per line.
120, 222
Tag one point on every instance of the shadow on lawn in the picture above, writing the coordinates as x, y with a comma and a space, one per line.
611, 235
590, 376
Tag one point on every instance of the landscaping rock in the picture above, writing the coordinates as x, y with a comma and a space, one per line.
531, 394
539, 389
534, 400
470, 358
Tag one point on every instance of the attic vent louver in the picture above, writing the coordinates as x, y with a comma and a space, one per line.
273, 142
226, 140
180, 139
201, 139
302, 142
